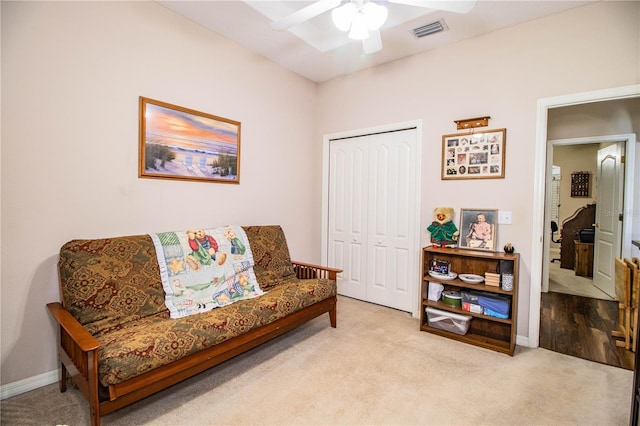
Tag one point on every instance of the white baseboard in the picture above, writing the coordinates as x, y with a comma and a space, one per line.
523, 341
28, 384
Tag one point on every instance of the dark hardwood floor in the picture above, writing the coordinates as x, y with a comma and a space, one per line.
581, 327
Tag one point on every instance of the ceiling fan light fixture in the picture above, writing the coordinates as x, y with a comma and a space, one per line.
359, 29
375, 15
359, 17
343, 15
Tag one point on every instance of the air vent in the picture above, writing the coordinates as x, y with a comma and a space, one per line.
430, 28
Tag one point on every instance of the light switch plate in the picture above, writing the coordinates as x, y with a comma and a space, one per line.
504, 218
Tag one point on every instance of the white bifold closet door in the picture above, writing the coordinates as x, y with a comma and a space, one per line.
372, 216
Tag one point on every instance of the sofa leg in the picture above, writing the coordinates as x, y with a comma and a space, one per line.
92, 394
333, 316
63, 378
95, 417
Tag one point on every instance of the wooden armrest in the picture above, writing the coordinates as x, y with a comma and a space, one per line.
85, 341
309, 270
311, 265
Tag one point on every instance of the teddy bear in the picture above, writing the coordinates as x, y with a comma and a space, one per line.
237, 248
204, 246
444, 233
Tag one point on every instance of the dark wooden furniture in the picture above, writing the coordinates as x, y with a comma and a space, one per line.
78, 351
485, 331
583, 218
584, 259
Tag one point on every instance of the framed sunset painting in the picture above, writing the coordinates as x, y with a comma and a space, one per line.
181, 143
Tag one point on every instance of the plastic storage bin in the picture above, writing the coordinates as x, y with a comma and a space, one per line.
448, 321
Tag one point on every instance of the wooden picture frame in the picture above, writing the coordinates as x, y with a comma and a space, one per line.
474, 155
478, 229
580, 184
181, 143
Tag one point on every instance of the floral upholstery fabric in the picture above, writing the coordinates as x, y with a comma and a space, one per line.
111, 281
151, 342
112, 287
270, 254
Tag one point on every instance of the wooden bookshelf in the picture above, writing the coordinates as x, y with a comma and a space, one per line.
486, 331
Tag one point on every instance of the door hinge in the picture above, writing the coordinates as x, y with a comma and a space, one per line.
622, 159
620, 217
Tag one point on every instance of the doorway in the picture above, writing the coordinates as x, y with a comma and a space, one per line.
371, 187
584, 267
578, 313
540, 256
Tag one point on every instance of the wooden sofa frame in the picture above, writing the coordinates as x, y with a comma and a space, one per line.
78, 352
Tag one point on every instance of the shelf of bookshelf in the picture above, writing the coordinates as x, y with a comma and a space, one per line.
459, 283
474, 339
445, 307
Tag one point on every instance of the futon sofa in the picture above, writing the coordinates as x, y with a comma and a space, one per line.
117, 341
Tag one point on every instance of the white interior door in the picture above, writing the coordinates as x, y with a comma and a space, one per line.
609, 207
372, 216
348, 176
391, 207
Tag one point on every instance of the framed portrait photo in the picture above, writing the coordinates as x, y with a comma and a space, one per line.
478, 229
474, 155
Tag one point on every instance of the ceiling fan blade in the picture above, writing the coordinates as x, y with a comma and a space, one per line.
304, 14
372, 44
457, 6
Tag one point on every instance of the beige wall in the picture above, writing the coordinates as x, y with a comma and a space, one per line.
502, 74
575, 158
594, 119
72, 73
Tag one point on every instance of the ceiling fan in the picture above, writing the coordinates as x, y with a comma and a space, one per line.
363, 18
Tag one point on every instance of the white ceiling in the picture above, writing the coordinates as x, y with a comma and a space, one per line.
319, 51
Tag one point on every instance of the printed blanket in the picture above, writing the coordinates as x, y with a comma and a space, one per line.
203, 269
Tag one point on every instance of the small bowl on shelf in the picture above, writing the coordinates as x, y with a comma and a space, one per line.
471, 278
449, 276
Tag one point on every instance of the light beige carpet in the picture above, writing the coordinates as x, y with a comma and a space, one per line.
375, 368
